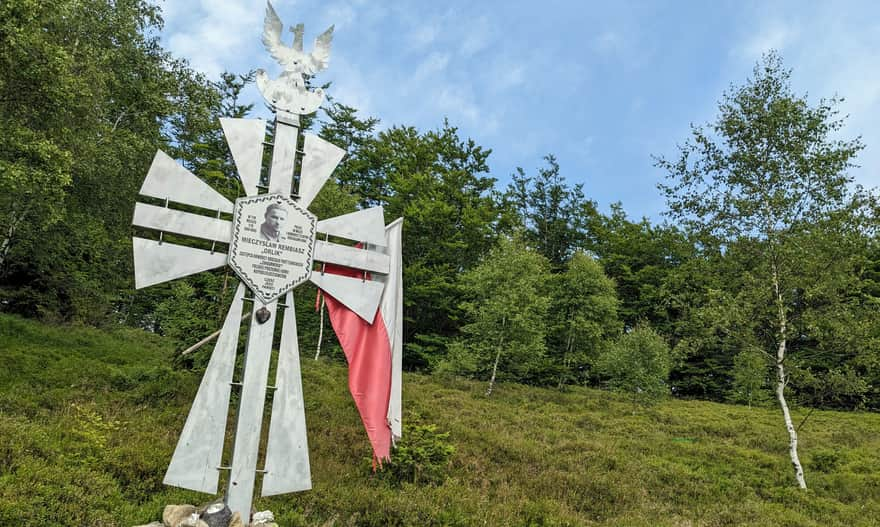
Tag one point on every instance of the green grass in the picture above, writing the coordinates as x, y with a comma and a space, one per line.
88, 421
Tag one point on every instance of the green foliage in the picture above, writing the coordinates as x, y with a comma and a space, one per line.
826, 460
767, 187
87, 95
508, 298
195, 308
765, 192
437, 182
644, 261
421, 457
93, 430
637, 363
841, 387
717, 328
34, 173
583, 317
551, 214
751, 378
768, 164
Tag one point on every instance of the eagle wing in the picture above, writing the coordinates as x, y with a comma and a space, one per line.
272, 29
320, 56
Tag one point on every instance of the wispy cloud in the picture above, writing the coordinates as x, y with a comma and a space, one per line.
777, 35
609, 42
210, 32
603, 86
476, 35
835, 60
423, 35
432, 65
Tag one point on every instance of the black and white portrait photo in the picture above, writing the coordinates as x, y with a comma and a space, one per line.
275, 217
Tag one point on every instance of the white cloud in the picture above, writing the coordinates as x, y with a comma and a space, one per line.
423, 35
583, 148
506, 75
475, 35
458, 102
211, 34
352, 16
353, 86
624, 44
343, 15
776, 35
609, 42
433, 64
637, 104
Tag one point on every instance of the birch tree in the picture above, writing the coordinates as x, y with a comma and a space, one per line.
758, 182
507, 310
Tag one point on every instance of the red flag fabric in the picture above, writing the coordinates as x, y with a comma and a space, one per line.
368, 351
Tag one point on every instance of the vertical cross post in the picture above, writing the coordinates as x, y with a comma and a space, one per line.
258, 353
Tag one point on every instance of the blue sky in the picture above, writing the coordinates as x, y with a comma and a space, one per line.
603, 86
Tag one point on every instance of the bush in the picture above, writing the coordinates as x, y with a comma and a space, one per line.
421, 457
638, 362
825, 460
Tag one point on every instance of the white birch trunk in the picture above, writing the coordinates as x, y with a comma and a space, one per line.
7, 239
497, 358
781, 381
15, 217
565, 359
320, 329
4, 248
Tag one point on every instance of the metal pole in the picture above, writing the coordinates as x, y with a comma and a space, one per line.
249, 425
250, 414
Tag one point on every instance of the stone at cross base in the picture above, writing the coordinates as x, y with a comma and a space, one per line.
215, 514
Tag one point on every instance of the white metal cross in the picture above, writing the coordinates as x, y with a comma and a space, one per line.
197, 459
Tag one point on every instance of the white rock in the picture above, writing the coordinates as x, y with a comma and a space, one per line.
263, 518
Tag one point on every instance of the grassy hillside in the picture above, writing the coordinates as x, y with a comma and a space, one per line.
88, 421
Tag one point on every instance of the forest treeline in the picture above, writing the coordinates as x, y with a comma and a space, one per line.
768, 256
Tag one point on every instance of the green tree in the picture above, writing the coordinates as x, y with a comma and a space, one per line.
551, 213
438, 182
507, 305
835, 356
642, 259
360, 173
750, 377
714, 323
86, 95
637, 363
199, 143
34, 173
760, 182
584, 314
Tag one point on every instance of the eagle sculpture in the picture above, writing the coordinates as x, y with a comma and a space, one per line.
288, 92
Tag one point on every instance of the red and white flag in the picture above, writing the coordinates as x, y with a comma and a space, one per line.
375, 351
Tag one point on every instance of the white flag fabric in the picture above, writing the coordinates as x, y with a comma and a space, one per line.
391, 308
